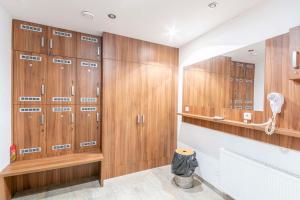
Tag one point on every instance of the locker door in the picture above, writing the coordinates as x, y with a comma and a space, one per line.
88, 46
60, 130
62, 42
29, 134
29, 37
88, 82
29, 78
61, 80
87, 128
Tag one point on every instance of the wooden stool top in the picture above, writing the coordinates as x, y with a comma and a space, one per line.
185, 152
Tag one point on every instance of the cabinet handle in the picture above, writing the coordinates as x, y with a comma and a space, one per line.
98, 117
72, 118
138, 119
43, 41
51, 43
143, 119
98, 92
295, 56
98, 51
42, 119
73, 90
43, 89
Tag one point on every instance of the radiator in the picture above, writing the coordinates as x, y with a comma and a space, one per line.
246, 179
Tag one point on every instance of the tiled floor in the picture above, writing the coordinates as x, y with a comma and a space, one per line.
154, 184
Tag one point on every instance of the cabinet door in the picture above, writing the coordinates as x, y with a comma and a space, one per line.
88, 82
87, 128
294, 45
60, 129
61, 80
159, 113
29, 37
29, 78
88, 46
29, 134
62, 42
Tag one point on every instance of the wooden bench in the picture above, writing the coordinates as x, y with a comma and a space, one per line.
45, 164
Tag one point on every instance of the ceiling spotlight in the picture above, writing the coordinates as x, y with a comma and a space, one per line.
112, 16
213, 4
87, 14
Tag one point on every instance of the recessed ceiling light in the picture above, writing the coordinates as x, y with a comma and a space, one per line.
213, 4
112, 16
172, 32
87, 14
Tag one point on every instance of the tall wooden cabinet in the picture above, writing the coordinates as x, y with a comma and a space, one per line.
139, 104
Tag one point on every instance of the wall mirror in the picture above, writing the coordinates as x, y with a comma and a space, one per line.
232, 81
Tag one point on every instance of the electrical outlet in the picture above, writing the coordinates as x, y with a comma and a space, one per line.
247, 116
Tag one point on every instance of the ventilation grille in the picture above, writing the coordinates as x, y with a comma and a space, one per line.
62, 34
31, 28
89, 64
88, 100
62, 61
31, 58
30, 98
89, 39
87, 109
30, 150
30, 109
61, 147
62, 99
62, 109
88, 144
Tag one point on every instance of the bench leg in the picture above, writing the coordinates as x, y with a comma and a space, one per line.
101, 181
5, 188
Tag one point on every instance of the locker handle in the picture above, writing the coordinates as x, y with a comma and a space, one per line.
143, 119
43, 41
98, 92
73, 90
138, 119
98, 117
295, 57
43, 89
72, 118
42, 119
51, 43
98, 51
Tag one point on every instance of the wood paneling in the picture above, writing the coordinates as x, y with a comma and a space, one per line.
29, 77
88, 81
61, 78
29, 130
31, 38
294, 36
62, 42
139, 78
88, 46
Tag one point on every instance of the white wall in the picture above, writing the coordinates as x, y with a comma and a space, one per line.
271, 18
5, 87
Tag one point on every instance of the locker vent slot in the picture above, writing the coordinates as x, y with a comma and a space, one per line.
89, 39
89, 64
30, 109
248, 107
62, 34
30, 150
87, 109
62, 109
30, 98
62, 61
88, 100
31, 28
62, 99
88, 144
31, 58
61, 147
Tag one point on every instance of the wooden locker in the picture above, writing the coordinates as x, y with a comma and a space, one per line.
61, 80
250, 71
62, 42
88, 130
29, 131
29, 78
29, 37
88, 82
88, 46
60, 129
294, 53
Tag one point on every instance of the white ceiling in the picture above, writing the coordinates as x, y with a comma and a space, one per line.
142, 19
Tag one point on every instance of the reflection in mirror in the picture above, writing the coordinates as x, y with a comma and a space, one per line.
234, 80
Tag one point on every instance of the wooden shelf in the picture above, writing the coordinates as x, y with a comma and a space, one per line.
50, 163
281, 131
